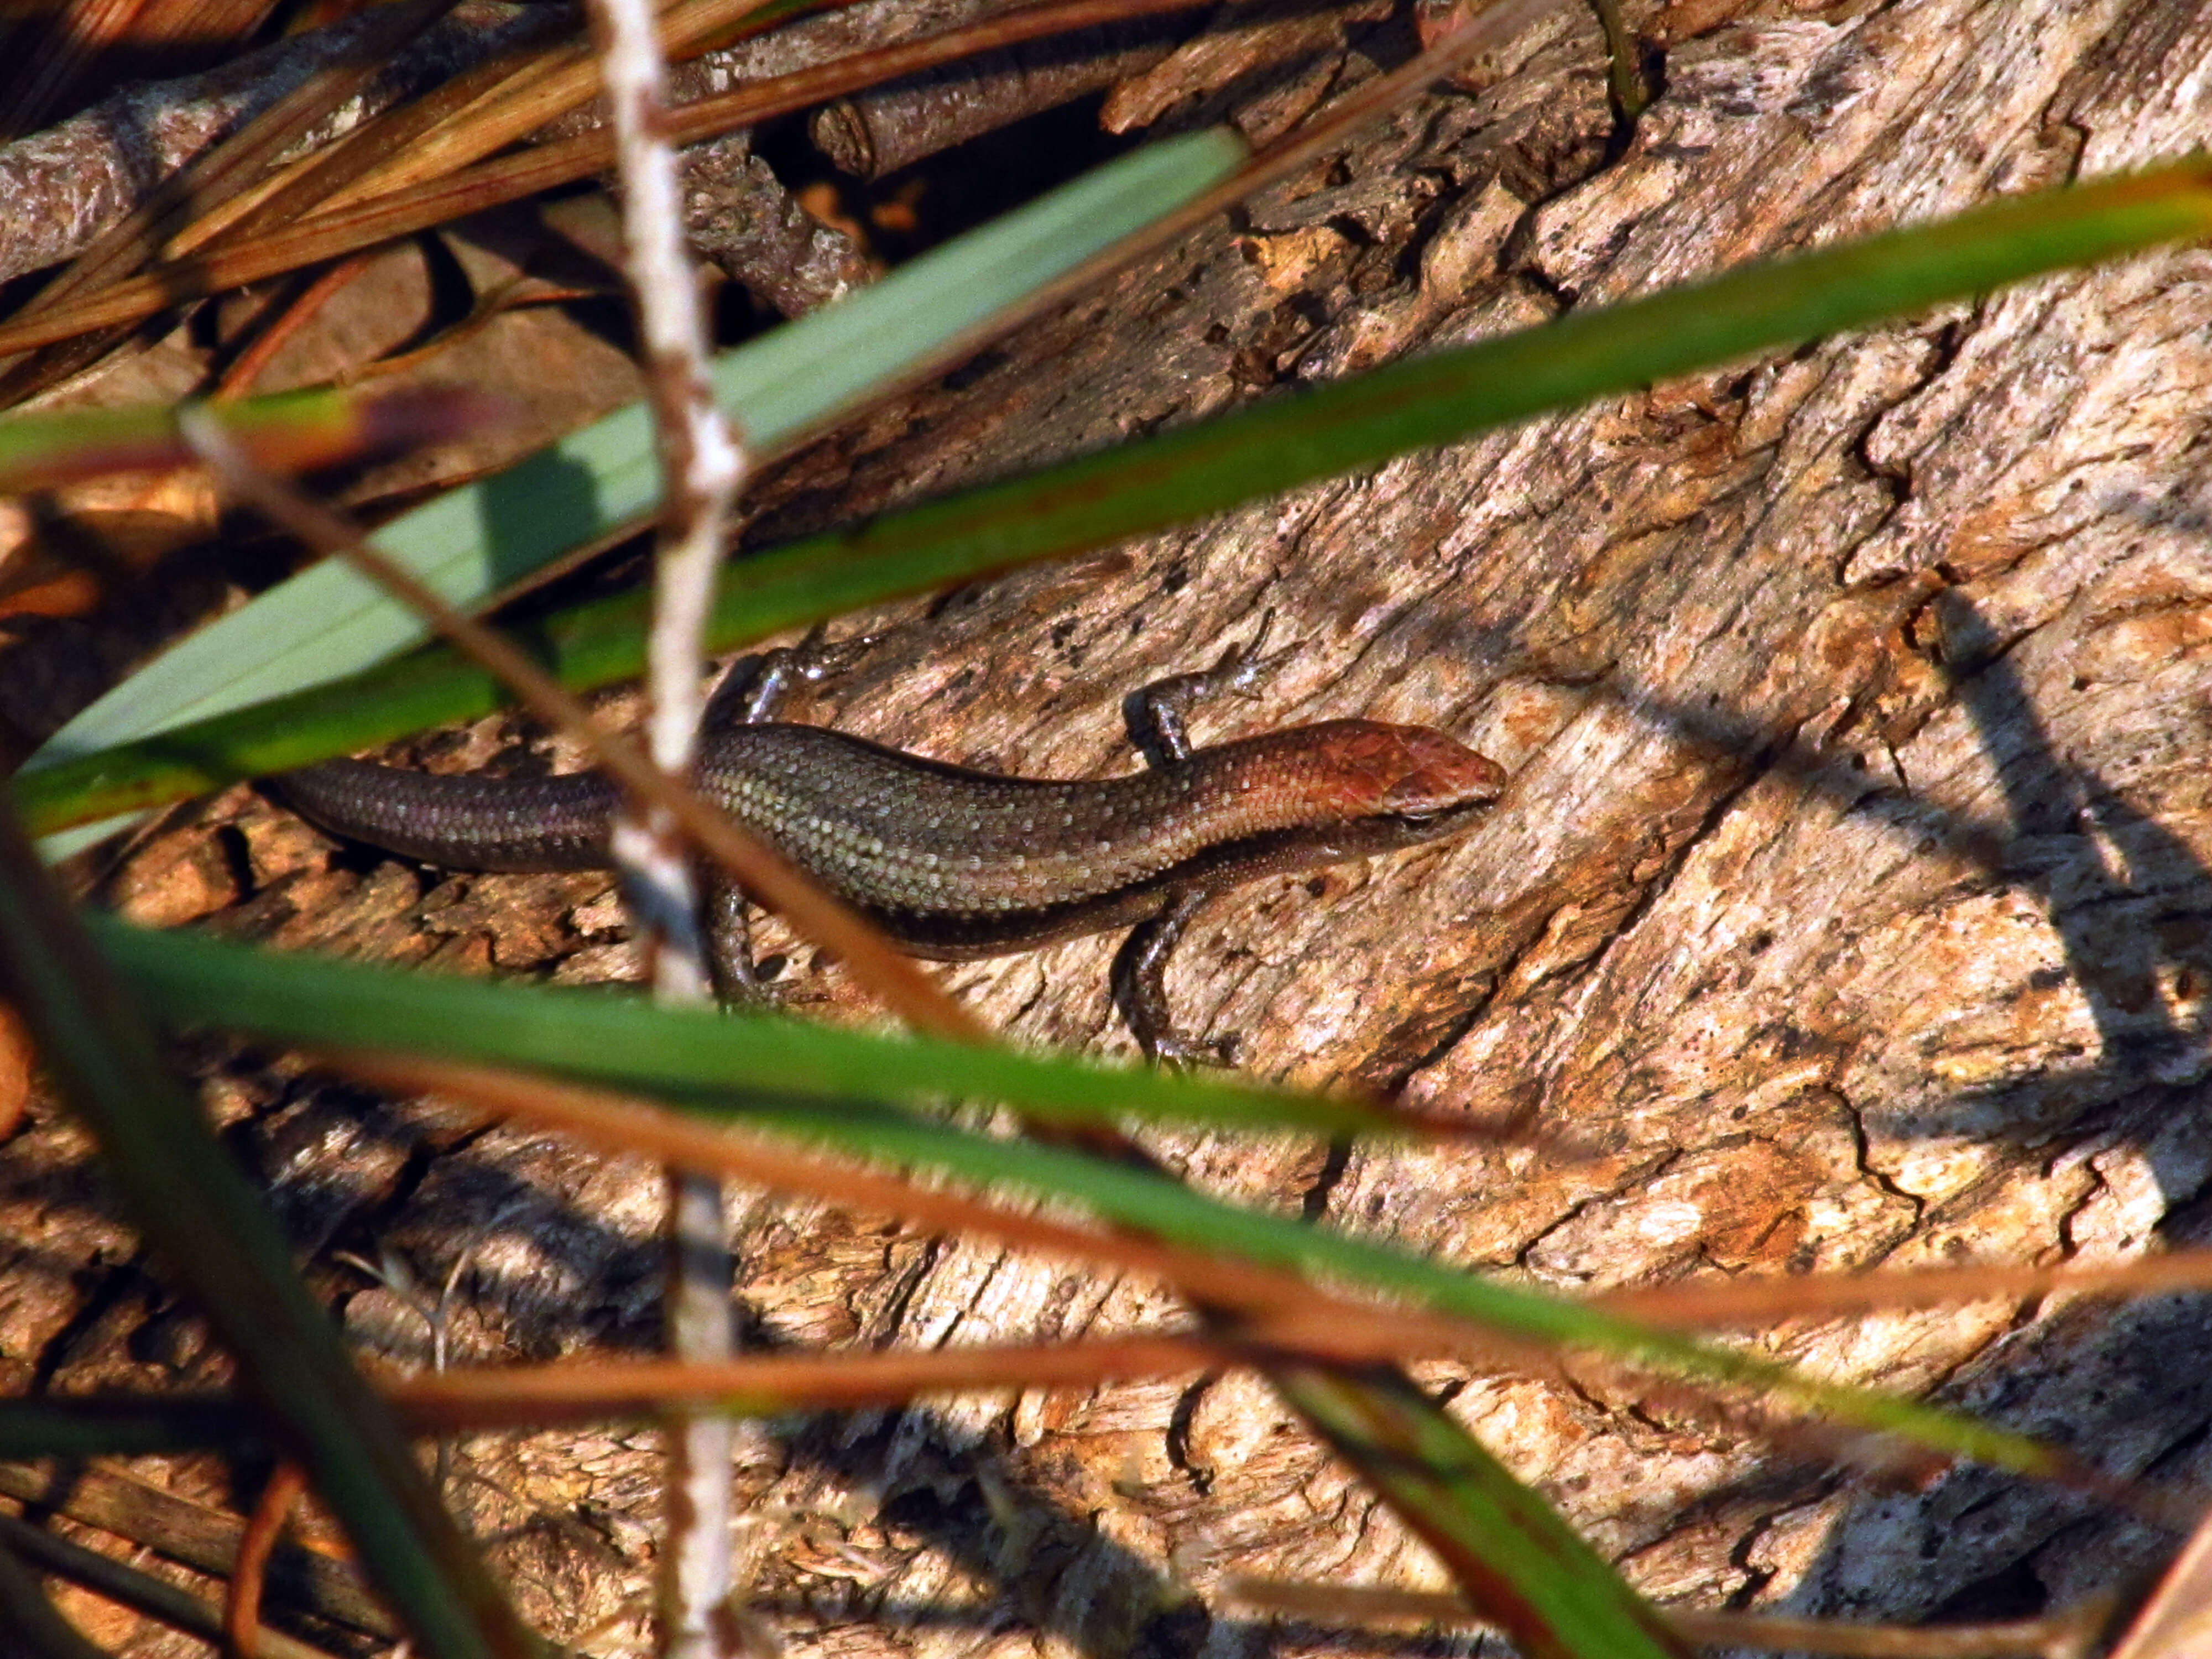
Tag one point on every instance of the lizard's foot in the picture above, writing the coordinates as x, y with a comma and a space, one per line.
1158, 714
756, 686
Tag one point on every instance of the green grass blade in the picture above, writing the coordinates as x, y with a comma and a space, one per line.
40, 1631
205, 1223
1516, 1560
148, 1426
618, 1038
1165, 1210
1184, 474
193, 981
477, 540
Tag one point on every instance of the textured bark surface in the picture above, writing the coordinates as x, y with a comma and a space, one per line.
1851, 894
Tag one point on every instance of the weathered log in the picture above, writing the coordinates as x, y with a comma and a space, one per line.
1851, 897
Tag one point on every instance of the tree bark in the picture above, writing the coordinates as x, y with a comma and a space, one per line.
1851, 896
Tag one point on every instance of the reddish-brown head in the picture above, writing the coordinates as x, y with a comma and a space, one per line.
1407, 771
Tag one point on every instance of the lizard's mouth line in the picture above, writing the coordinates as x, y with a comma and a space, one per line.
1442, 815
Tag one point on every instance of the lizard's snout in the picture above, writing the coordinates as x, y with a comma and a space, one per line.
1441, 772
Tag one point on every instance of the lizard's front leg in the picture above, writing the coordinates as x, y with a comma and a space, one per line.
1158, 726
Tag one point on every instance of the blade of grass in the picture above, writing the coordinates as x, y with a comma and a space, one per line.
624, 1040
1261, 1305
474, 541
1395, 1439
1802, 1295
1164, 1210
128, 1425
24, 1609
191, 982
1180, 475
203, 1218
1513, 1554
625, 1125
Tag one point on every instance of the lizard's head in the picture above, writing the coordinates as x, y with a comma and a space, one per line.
1409, 772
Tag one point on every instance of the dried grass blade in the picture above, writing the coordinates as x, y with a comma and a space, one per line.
221, 173
356, 219
529, 100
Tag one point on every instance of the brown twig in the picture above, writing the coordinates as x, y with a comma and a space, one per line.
241, 1607
238, 379
64, 187
311, 182
765, 1384
201, 1536
515, 294
224, 173
627, 1124
2175, 1621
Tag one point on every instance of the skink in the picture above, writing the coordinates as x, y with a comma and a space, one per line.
954, 863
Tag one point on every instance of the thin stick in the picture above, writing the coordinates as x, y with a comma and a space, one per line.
761, 1385
238, 379
241, 1607
703, 467
902, 986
